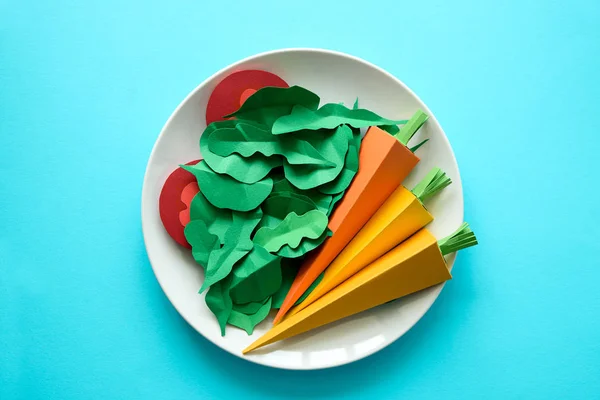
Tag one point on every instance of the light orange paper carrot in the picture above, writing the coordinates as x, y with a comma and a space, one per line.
384, 162
415, 264
402, 214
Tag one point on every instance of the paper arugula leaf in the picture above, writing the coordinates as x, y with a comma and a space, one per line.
223, 191
216, 219
202, 241
256, 277
288, 273
245, 170
305, 246
248, 140
237, 245
218, 301
248, 322
335, 148
266, 105
348, 172
292, 230
329, 116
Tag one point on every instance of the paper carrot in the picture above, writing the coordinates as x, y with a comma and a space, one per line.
415, 264
402, 214
384, 162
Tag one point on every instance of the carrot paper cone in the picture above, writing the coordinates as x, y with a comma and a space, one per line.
402, 214
415, 264
385, 162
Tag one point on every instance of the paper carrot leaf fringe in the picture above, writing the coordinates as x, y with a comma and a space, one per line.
411, 127
461, 239
433, 182
415, 148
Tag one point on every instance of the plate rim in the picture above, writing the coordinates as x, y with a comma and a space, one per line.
436, 290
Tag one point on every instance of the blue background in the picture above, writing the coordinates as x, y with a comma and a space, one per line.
85, 88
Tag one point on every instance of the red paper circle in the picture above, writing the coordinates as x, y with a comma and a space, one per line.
232, 91
174, 202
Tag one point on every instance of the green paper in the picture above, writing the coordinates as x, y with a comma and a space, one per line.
321, 200
391, 129
349, 170
411, 127
330, 116
305, 246
355, 106
256, 277
292, 230
222, 191
334, 201
279, 205
415, 148
247, 322
237, 245
462, 238
218, 301
309, 176
250, 308
246, 170
201, 240
250, 139
269, 103
433, 182
216, 219
288, 273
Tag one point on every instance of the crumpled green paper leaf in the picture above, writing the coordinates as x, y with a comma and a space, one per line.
223, 191
305, 246
292, 230
202, 241
288, 273
269, 103
250, 308
334, 202
309, 176
218, 301
237, 245
330, 116
218, 220
349, 170
246, 170
248, 140
248, 322
279, 205
257, 276
321, 200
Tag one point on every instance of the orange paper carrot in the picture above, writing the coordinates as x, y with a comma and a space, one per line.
384, 162
400, 216
415, 264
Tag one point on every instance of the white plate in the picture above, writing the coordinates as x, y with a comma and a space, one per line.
335, 77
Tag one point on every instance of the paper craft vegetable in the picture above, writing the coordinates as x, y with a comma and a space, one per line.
231, 92
415, 264
174, 202
402, 214
385, 162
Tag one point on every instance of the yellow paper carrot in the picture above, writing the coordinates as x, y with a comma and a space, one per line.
415, 264
402, 214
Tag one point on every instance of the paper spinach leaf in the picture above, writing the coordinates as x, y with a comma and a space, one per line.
292, 230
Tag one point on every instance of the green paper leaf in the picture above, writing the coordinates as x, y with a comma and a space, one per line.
334, 202
391, 129
279, 205
248, 140
246, 170
202, 241
222, 191
320, 200
250, 308
416, 147
248, 322
348, 172
305, 246
411, 127
218, 301
433, 183
355, 106
237, 245
269, 103
334, 149
292, 230
216, 219
462, 238
330, 116
289, 271
257, 276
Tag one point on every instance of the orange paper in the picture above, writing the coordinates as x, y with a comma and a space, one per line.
399, 217
384, 163
415, 264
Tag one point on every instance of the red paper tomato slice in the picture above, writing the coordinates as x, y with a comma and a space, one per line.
232, 91
174, 202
